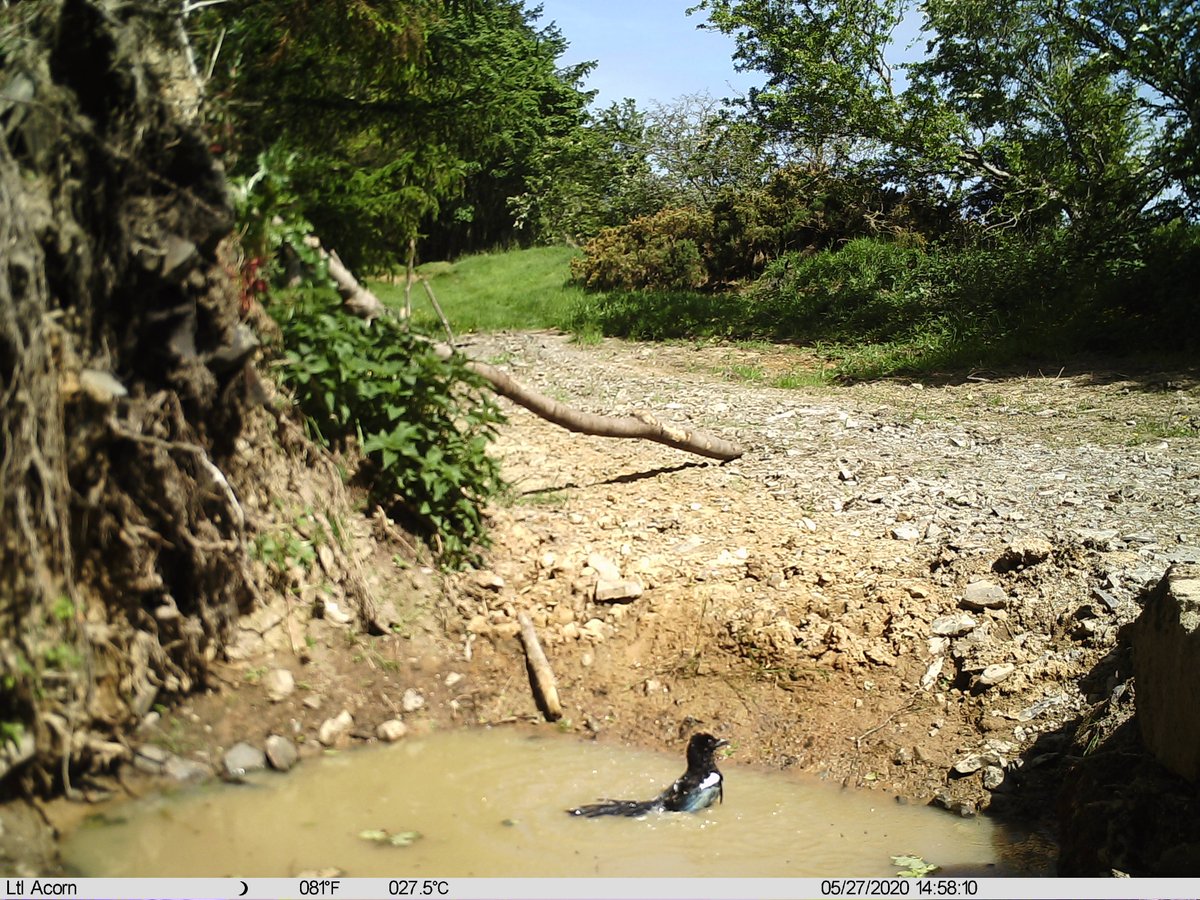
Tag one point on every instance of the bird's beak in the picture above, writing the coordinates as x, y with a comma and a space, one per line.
721, 742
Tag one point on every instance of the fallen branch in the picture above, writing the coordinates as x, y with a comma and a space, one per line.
541, 676
363, 303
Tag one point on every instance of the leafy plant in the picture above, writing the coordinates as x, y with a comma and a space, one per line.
663, 251
420, 419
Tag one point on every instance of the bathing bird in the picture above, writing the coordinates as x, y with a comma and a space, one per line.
697, 788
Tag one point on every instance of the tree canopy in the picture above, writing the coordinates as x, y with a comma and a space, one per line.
1034, 110
397, 115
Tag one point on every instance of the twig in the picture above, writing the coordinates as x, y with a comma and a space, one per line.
437, 307
409, 276
912, 702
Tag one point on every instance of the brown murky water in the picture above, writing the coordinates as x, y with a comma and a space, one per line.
489, 803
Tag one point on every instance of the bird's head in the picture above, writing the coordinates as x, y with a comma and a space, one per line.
701, 748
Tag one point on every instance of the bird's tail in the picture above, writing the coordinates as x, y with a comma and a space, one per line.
616, 808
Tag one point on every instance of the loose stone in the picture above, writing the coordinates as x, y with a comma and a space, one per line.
996, 673
242, 758
981, 595
952, 625
332, 730
617, 591
281, 753
392, 730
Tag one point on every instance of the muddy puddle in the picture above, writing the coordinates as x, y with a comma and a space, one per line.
490, 803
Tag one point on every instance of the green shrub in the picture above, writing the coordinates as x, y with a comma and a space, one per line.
421, 420
865, 290
665, 251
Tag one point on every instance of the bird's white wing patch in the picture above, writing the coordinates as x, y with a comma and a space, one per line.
712, 780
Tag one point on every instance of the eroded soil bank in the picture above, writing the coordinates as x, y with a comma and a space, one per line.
903, 587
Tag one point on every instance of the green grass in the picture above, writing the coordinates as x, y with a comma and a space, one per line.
516, 290
531, 289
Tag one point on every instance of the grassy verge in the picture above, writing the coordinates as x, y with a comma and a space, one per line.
517, 290
868, 311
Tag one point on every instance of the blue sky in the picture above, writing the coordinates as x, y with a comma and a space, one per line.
649, 50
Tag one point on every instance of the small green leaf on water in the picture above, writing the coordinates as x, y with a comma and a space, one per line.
373, 834
509, 823
914, 866
404, 838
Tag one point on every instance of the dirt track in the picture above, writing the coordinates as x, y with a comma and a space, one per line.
792, 597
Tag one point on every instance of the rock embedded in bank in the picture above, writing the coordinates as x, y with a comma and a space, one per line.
611, 585
391, 731
994, 674
279, 684
335, 730
1166, 647
981, 595
953, 625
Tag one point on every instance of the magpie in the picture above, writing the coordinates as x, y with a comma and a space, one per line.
692, 791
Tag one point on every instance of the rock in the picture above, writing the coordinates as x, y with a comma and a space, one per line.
1022, 553
188, 770
1109, 599
981, 595
906, 533
964, 808
1033, 711
1102, 539
593, 630
242, 758
281, 753
331, 612
335, 729
994, 674
929, 679
606, 569
412, 700
101, 386
880, 654
151, 759
617, 591
453, 678
1166, 646
279, 684
993, 777
391, 730
952, 625
179, 255
488, 580
968, 764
